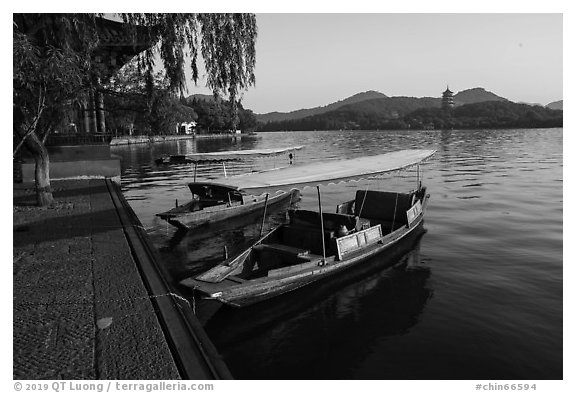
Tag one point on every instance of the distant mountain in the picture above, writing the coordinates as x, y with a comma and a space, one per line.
391, 114
302, 113
475, 107
388, 107
373, 101
475, 95
556, 105
369, 114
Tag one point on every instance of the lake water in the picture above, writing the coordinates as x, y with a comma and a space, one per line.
478, 296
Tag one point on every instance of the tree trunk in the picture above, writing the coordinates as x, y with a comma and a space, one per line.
100, 115
42, 171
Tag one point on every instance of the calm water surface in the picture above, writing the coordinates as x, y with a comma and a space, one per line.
478, 296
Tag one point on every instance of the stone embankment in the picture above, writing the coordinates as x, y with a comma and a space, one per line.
89, 299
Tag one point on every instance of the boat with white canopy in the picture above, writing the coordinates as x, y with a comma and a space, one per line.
313, 245
223, 156
214, 201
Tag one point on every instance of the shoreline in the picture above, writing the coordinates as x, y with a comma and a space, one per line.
121, 141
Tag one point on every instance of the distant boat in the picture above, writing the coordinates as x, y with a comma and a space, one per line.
226, 156
213, 202
315, 245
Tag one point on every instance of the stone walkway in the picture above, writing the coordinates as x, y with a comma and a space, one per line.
80, 308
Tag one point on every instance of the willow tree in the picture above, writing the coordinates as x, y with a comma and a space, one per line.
50, 68
53, 65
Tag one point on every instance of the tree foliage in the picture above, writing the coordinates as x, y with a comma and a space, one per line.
226, 43
53, 65
489, 114
130, 109
45, 79
133, 109
215, 115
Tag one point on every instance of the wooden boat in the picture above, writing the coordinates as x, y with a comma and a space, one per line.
223, 156
316, 245
212, 202
371, 278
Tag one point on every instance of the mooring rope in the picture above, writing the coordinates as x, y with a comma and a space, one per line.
24, 225
175, 295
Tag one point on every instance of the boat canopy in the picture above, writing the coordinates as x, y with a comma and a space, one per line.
235, 155
323, 173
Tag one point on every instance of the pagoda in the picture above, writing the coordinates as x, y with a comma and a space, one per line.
447, 99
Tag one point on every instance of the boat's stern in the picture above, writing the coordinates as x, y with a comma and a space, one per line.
213, 291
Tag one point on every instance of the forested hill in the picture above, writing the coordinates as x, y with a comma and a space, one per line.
389, 107
477, 94
423, 113
301, 113
556, 105
369, 114
490, 114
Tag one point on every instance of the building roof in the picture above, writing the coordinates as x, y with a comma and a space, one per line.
118, 43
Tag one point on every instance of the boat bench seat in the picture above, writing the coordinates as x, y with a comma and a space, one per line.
331, 220
282, 249
380, 206
279, 255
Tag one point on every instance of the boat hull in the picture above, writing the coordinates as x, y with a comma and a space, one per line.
241, 293
192, 220
242, 297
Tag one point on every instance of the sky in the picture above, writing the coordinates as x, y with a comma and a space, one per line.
313, 58
304, 60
